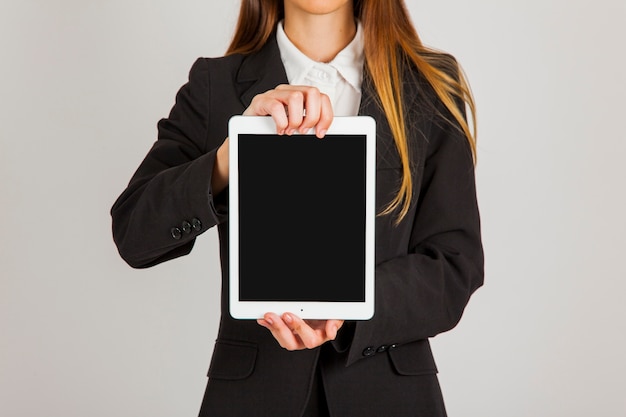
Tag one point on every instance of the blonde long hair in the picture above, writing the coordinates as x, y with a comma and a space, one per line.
390, 39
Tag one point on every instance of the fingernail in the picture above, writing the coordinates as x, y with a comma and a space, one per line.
321, 133
269, 321
288, 318
291, 131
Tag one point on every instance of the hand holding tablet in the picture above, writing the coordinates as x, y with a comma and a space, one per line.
301, 219
294, 333
294, 108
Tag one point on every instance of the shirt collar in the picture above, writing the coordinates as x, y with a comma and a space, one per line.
348, 62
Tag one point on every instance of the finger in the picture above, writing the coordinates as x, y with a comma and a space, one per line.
314, 102
282, 333
325, 117
332, 327
310, 337
267, 104
295, 109
294, 98
312, 109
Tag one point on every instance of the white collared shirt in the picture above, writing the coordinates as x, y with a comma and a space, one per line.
340, 78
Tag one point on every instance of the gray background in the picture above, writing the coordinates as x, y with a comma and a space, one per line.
83, 84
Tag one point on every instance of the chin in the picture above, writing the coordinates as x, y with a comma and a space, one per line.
318, 7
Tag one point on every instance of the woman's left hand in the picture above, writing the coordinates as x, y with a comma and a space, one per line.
293, 333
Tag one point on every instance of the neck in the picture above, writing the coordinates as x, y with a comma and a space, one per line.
320, 36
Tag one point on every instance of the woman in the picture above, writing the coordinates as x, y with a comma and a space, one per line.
429, 257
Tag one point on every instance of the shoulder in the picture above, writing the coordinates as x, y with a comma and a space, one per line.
433, 71
443, 61
240, 66
434, 62
213, 75
203, 66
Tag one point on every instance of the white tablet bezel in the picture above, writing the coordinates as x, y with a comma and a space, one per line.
361, 310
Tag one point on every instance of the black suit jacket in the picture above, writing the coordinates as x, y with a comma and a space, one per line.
427, 267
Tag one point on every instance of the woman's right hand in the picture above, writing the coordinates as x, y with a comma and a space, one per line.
294, 108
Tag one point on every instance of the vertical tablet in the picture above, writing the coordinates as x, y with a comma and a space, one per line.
301, 220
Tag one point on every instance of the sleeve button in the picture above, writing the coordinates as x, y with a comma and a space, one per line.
196, 224
186, 227
369, 351
176, 233
382, 348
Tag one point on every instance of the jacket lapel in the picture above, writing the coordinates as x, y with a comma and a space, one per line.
260, 72
387, 154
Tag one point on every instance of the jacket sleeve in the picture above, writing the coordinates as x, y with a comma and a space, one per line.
424, 293
168, 201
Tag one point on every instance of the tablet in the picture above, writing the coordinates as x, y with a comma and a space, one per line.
301, 219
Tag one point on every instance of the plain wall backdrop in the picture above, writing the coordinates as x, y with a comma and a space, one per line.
82, 85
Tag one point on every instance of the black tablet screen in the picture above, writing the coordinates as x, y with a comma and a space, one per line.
302, 217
